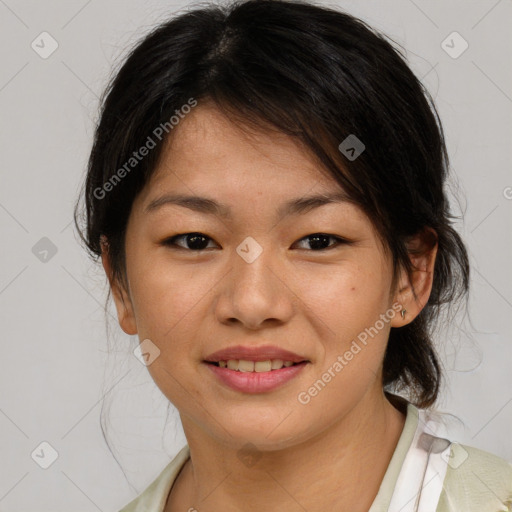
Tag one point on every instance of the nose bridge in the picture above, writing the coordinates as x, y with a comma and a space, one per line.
252, 263
254, 293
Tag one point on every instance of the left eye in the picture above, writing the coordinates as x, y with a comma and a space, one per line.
195, 241
320, 241
199, 241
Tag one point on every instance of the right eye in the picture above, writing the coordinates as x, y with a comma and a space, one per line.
192, 241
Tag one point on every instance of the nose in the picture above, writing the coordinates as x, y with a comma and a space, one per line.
255, 293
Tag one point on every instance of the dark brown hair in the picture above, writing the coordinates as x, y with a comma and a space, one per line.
318, 75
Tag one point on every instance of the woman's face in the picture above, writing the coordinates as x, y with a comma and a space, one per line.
312, 297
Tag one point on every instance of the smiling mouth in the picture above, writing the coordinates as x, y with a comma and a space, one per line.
242, 365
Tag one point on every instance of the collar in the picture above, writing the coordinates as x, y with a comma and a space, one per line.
412, 456
413, 481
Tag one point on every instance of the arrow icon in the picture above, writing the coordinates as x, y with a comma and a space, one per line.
351, 147
44, 455
249, 249
44, 250
146, 352
44, 45
454, 45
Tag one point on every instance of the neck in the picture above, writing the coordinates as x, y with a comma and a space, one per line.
341, 468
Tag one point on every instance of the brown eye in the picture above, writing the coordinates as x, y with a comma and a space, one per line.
320, 241
190, 241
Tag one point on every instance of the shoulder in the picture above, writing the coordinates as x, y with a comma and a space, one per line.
154, 497
476, 480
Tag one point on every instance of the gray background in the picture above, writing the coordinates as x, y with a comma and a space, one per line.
57, 369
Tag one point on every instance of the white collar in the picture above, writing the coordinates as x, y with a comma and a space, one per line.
420, 481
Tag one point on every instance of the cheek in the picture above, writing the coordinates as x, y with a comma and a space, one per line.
349, 301
166, 299
169, 305
348, 298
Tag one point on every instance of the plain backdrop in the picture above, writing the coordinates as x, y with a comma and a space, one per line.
56, 369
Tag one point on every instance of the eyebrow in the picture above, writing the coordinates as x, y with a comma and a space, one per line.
209, 206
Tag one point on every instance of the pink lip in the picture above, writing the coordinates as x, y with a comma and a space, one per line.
256, 382
250, 353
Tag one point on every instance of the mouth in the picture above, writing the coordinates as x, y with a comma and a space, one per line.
264, 357
244, 365
255, 369
253, 377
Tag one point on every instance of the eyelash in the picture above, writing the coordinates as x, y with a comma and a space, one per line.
171, 242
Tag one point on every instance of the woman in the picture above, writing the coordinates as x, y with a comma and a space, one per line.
265, 191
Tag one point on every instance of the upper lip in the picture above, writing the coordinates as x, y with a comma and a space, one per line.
251, 353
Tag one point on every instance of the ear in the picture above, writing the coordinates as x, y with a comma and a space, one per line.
413, 291
124, 306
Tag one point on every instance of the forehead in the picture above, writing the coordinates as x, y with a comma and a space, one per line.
208, 147
245, 170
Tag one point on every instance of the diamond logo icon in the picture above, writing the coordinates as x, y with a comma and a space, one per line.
44, 455
249, 455
351, 147
249, 249
455, 455
44, 45
44, 249
146, 352
454, 45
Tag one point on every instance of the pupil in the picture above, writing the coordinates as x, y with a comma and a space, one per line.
315, 244
196, 241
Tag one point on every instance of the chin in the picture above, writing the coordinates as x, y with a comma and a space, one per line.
272, 435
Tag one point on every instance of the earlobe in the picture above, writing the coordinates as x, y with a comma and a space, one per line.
401, 301
414, 290
122, 301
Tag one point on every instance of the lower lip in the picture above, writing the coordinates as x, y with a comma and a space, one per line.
256, 382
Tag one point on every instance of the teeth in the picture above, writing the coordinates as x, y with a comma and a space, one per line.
243, 365
262, 366
232, 364
277, 363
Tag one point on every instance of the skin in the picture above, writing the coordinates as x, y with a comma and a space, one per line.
312, 302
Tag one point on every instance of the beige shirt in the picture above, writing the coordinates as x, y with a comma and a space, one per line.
482, 483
